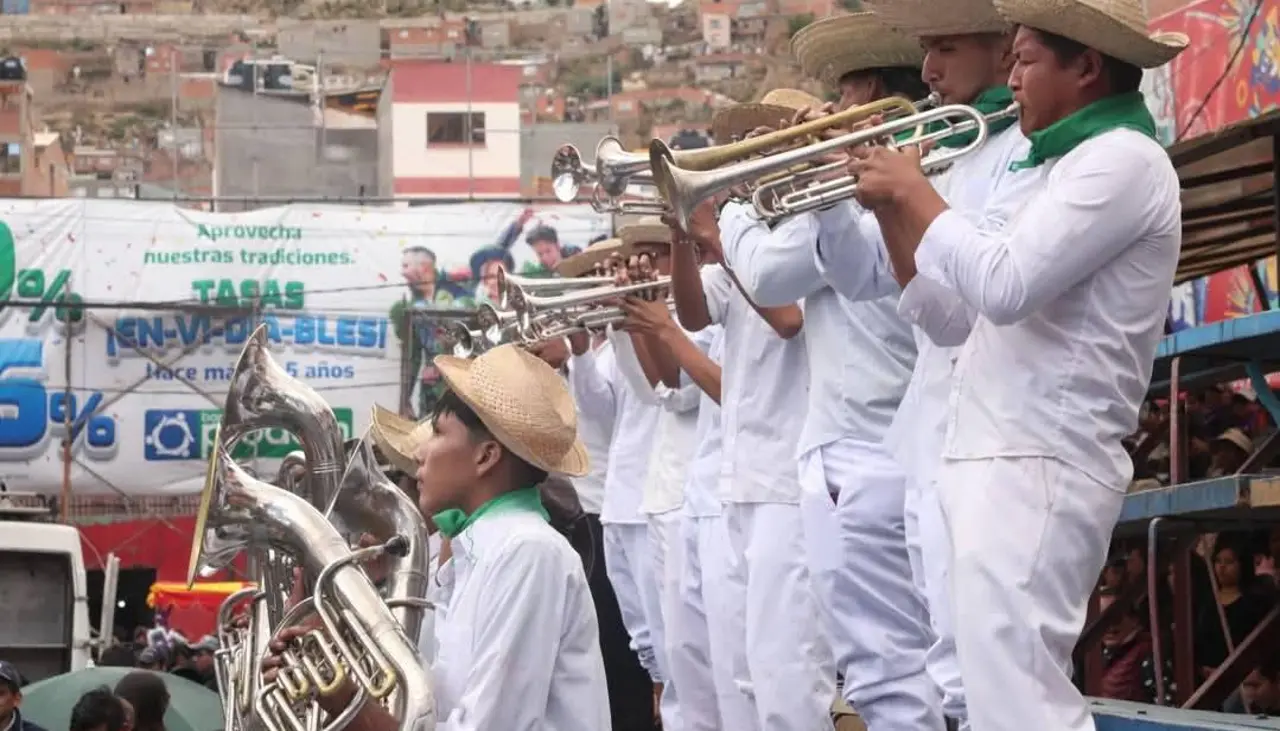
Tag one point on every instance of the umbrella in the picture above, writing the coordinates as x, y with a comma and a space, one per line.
192, 707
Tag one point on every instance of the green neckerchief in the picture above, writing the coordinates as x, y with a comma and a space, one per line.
454, 521
1114, 112
993, 100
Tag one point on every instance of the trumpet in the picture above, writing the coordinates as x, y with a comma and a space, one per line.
685, 189
507, 280
527, 305
459, 338
589, 321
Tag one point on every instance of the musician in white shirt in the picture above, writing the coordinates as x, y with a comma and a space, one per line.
789, 669
601, 390
861, 355
967, 59
702, 669
1069, 301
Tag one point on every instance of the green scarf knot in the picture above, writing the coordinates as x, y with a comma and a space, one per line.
453, 521
1127, 111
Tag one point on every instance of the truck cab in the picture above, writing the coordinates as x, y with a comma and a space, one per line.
44, 612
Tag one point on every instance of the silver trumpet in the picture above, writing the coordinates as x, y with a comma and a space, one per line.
684, 189
357, 630
614, 168
545, 285
527, 306
458, 337
588, 321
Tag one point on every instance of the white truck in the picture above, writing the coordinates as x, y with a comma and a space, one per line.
44, 610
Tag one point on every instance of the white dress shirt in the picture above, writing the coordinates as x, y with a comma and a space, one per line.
979, 186
600, 392
518, 645
763, 383
675, 435
702, 488
1071, 300
596, 435
860, 352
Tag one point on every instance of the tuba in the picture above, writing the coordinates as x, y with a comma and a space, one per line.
368, 503
359, 636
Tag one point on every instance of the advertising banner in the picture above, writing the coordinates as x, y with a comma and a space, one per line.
122, 320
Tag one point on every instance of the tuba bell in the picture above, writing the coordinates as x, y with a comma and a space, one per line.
359, 636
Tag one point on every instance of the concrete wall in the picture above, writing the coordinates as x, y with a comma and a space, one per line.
273, 148
350, 42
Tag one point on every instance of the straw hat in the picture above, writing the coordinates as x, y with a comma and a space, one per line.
398, 438
775, 109
930, 18
1117, 28
523, 403
583, 262
648, 230
833, 47
1237, 438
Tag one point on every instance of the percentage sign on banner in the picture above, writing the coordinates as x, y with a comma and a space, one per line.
100, 428
33, 285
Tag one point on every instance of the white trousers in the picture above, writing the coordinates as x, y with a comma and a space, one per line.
790, 675
664, 539
1029, 537
628, 563
700, 668
871, 611
930, 551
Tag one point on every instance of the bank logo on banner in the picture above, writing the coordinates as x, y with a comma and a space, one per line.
187, 434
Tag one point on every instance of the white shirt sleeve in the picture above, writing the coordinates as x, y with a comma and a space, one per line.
936, 310
624, 350
850, 254
592, 386
1084, 216
515, 646
717, 288
775, 267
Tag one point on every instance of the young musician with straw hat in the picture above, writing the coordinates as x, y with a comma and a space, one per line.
861, 355
789, 679
518, 645
1074, 290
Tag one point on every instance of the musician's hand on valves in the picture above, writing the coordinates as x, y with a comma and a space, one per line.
704, 229
887, 175
378, 567
645, 316
761, 130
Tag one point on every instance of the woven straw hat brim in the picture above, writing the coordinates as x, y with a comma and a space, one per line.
776, 109
523, 403
1117, 28
597, 253
645, 231
397, 437
930, 18
833, 47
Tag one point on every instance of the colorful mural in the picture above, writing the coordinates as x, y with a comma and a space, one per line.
1250, 87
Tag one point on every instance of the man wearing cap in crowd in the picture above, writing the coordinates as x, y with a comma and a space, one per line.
603, 391
789, 678
11, 682
517, 644
630, 687
861, 355
1074, 289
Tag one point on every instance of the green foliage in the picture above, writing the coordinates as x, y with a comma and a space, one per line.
852, 6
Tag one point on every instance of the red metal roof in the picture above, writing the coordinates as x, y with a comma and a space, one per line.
417, 82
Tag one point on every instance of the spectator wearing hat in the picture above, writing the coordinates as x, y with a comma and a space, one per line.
1228, 452
195, 662
150, 659
11, 682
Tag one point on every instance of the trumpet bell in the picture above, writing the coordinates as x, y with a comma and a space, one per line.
567, 173
205, 542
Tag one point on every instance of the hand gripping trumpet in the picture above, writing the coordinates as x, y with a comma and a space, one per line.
528, 306
684, 190
359, 635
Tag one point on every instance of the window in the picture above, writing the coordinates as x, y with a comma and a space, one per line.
450, 128
10, 158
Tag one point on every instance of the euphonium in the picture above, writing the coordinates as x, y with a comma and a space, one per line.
238, 511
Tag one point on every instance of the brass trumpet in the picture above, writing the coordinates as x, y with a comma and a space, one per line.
685, 189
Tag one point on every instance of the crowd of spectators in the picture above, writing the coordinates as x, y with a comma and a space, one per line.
166, 651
